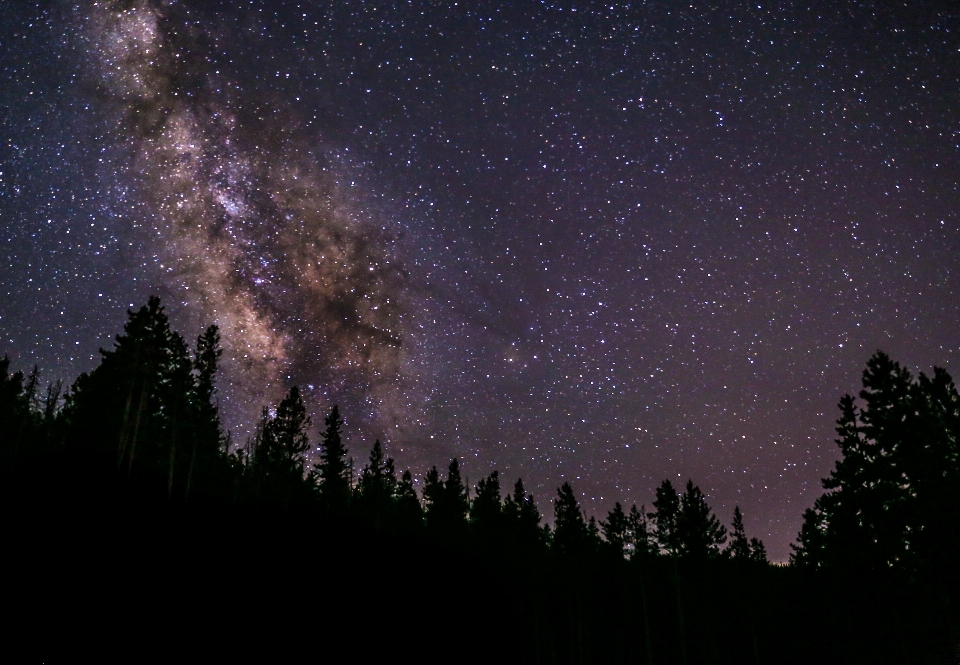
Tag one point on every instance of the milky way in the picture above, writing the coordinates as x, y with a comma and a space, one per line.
603, 243
250, 223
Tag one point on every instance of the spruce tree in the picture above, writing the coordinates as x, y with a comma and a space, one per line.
17, 419
432, 498
641, 541
446, 504
615, 530
522, 518
883, 505
456, 503
378, 480
409, 510
739, 547
135, 406
666, 510
758, 552
376, 488
278, 461
699, 533
571, 534
207, 441
486, 510
333, 469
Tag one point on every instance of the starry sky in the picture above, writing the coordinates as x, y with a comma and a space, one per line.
604, 243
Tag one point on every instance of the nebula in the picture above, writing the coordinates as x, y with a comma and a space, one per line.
248, 218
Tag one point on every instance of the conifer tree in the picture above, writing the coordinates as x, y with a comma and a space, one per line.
278, 459
739, 547
409, 510
758, 552
615, 530
135, 406
641, 540
456, 503
376, 488
593, 533
486, 510
456, 492
699, 533
432, 496
16, 415
177, 392
207, 439
333, 469
523, 518
883, 505
664, 517
378, 479
571, 534
446, 504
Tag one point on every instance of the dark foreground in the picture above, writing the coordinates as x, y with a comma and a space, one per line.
110, 571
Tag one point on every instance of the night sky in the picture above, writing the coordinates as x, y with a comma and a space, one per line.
601, 243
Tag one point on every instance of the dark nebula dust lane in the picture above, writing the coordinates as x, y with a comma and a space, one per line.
607, 244
249, 221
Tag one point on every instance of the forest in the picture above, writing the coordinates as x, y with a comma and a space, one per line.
134, 528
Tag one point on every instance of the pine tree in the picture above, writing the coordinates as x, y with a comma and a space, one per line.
17, 420
456, 503
571, 534
446, 504
136, 406
615, 530
664, 517
523, 518
932, 463
641, 541
409, 510
758, 552
486, 511
177, 392
739, 547
207, 441
378, 480
278, 455
333, 469
698, 531
376, 489
883, 505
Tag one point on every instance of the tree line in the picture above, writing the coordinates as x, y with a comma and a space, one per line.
149, 411
147, 418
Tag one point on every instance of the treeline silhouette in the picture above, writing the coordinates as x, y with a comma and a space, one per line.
134, 526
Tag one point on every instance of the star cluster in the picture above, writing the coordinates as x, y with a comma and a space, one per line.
603, 243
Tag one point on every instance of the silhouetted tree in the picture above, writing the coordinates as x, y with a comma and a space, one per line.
758, 552
376, 488
277, 462
17, 418
138, 405
432, 497
409, 510
739, 547
207, 444
333, 469
664, 517
523, 519
642, 542
699, 533
571, 534
486, 510
285, 437
616, 530
446, 504
883, 506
